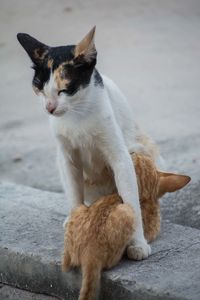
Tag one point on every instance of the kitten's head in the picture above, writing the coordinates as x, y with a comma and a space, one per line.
60, 72
153, 184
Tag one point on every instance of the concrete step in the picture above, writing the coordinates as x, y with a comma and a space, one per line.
11, 293
31, 243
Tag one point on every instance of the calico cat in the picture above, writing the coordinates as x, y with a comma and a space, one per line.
93, 126
96, 236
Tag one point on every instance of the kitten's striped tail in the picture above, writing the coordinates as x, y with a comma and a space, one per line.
91, 274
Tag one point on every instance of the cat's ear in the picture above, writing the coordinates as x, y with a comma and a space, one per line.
35, 49
170, 182
86, 48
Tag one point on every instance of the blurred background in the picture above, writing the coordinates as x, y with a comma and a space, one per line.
151, 49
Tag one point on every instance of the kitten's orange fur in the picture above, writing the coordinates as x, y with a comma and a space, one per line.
96, 236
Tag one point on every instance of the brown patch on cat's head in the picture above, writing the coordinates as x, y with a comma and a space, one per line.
60, 77
86, 47
36, 50
50, 63
39, 53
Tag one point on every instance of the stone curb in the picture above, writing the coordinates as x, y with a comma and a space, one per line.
31, 243
12, 293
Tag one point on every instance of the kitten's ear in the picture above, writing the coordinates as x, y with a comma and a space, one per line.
170, 182
86, 48
35, 49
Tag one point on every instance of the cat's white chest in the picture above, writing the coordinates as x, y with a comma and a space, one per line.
93, 163
84, 137
73, 131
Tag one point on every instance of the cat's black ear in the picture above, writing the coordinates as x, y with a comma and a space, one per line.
86, 48
35, 49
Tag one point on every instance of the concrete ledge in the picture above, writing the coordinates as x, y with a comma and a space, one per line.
183, 207
12, 293
31, 242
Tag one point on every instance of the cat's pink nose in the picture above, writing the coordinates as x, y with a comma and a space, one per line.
51, 107
51, 110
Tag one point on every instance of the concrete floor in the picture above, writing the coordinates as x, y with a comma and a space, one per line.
150, 48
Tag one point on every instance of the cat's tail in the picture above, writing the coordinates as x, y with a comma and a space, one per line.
91, 274
66, 261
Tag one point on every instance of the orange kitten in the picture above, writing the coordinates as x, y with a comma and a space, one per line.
96, 236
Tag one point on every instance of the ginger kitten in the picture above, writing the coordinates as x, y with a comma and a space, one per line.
96, 236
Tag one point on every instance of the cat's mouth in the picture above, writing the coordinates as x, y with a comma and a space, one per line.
58, 113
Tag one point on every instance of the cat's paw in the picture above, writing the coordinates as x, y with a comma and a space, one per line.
65, 222
138, 250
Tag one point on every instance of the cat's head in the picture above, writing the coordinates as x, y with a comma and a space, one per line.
60, 72
153, 183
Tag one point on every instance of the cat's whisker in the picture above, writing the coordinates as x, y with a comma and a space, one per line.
80, 109
83, 109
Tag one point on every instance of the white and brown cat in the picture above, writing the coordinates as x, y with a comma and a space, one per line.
96, 236
93, 126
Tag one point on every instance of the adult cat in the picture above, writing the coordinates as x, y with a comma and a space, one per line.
93, 126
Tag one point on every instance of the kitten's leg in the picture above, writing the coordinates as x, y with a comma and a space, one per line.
70, 167
118, 157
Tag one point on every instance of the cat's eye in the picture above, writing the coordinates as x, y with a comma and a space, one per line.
62, 91
78, 65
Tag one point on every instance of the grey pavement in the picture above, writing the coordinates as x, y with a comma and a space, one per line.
150, 48
32, 242
183, 207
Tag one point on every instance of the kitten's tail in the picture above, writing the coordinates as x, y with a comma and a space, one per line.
66, 261
91, 274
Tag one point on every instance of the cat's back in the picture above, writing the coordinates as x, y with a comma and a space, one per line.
103, 230
122, 111
88, 222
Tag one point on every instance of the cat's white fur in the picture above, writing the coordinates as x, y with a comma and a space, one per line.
95, 128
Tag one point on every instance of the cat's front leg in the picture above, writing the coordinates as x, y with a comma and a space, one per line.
138, 248
119, 159
126, 182
71, 172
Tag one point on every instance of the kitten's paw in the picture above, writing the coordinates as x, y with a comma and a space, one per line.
65, 222
138, 250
